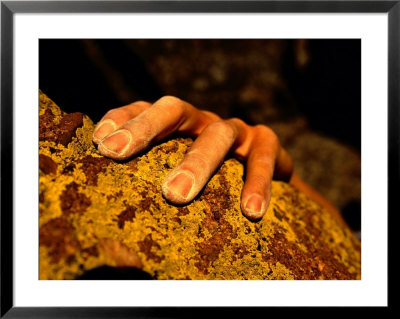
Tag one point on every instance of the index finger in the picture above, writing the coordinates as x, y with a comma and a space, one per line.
167, 115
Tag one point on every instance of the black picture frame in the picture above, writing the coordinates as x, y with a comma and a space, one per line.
9, 8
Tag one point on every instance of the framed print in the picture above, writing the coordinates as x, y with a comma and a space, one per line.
233, 101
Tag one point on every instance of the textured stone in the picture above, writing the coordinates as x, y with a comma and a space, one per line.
96, 212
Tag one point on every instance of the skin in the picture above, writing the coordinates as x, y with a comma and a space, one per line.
124, 132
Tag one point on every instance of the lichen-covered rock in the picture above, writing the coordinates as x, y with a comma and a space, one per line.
98, 212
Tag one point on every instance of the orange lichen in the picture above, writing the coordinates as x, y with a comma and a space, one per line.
95, 211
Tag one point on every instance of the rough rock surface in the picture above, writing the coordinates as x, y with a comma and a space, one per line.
95, 212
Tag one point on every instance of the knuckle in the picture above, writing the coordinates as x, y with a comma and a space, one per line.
266, 132
140, 102
169, 99
172, 103
235, 121
223, 128
120, 112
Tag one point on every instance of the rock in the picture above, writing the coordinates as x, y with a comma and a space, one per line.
95, 212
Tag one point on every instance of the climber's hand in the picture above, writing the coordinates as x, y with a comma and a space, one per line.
125, 131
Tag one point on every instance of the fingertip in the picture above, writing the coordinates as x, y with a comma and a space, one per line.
255, 206
103, 128
178, 187
117, 145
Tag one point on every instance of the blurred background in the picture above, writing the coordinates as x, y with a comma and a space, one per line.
307, 91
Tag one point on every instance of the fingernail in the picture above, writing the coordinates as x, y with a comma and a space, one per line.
181, 185
254, 205
117, 142
106, 127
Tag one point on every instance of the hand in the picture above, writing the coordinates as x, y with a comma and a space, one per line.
125, 131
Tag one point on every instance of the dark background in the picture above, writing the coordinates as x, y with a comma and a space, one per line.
308, 91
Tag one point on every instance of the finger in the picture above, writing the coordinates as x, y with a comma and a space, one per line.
185, 181
167, 115
116, 117
256, 193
